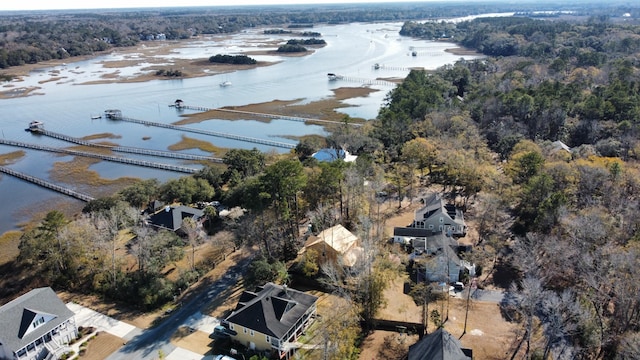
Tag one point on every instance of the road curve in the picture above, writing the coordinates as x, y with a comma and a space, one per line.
148, 343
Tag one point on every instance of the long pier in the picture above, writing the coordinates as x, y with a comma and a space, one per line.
365, 81
47, 184
207, 132
213, 133
387, 67
265, 115
126, 149
117, 159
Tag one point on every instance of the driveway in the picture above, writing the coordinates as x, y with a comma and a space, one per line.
86, 317
148, 343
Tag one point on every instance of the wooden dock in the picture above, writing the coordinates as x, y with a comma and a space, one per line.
47, 184
365, 81
127, 149
117, 159
273, 143
266, 115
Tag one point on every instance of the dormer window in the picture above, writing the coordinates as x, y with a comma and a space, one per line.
39, 321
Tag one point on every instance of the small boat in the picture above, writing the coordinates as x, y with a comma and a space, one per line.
333, 76
95, 117
225, 83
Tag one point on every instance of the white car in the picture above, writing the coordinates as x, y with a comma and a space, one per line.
223, 357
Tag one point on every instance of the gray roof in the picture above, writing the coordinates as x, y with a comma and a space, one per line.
439, 345
17, 315
273, 310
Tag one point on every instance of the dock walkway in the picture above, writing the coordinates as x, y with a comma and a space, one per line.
46, 184
266, 115
207, 132
117, 159
128, 149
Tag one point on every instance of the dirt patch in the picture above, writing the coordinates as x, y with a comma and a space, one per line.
103, 345
487, 333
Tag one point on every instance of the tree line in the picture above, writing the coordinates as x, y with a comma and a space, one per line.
32, 37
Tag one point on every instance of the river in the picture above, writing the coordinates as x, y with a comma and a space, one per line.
66, 105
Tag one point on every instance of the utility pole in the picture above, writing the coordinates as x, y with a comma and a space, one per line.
472, 283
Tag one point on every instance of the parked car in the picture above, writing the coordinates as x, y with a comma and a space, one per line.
458, 286
220, 332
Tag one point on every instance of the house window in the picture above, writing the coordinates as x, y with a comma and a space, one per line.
22, 353
38, 321
231, 327
244, 330
431, 226
251, 332
268, 338
441, 219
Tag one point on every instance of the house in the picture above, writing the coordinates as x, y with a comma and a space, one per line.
37, 325
272, 318
443, 266
335, 244
436, 215
439, 345
171, 217
436, 256
329, 154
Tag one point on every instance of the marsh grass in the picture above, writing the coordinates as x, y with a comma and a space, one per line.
101, 136
77, 172
9, 243
324, 109
190, 143
9, 158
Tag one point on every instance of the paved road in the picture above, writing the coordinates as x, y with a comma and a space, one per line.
148, 343
494, 296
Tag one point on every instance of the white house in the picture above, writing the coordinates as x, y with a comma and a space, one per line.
37, 325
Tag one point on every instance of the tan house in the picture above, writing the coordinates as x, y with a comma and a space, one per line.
335, 244
272, 319
37, 325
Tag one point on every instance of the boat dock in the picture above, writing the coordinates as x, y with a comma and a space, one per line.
365, 81
265, 115
387, 67
47, 184
126, 149
117, 159
279, 144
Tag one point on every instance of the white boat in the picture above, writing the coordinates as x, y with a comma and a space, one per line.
225, 83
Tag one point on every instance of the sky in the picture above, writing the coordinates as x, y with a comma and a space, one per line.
75, 4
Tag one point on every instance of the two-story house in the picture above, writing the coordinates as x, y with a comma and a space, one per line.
272, 318
438, 216
37, 325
